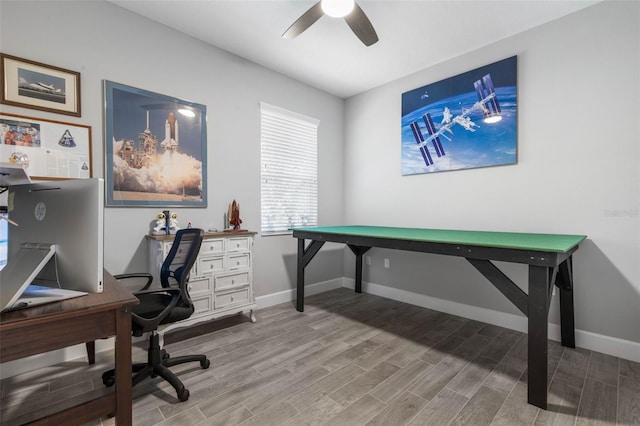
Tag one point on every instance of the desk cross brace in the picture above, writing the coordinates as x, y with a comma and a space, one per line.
560, 276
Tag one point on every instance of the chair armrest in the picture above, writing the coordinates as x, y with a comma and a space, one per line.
138, 275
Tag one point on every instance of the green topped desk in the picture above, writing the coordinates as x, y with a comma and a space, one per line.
549, 257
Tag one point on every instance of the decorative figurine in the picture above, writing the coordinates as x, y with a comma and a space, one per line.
166, 223
19, 158
234, 215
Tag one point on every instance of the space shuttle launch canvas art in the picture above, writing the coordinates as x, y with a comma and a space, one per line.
156, 149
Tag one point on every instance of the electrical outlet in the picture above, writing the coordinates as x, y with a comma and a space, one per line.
387, 264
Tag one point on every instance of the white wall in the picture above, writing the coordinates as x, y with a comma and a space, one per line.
577, 170
103, 41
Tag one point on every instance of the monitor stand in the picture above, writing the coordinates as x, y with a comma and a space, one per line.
22, 269
33, 278
27, 263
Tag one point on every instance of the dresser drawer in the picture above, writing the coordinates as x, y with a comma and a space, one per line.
223, 282
209, 265
198, 285
237, 297
179, 258
215, 246
239, 261
239, 244
202, 303
166, 246
180, 255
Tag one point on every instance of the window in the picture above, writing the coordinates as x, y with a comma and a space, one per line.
289, 171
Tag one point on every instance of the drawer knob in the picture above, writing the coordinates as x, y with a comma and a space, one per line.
233, 281
238, 262
232, 298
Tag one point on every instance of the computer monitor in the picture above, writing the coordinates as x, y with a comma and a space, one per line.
69, 214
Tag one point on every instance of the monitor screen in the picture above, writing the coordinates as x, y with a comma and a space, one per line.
69, 214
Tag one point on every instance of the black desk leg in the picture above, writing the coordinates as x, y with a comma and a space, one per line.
565, 284
300, 280
359, 251
304, 257
91, 351
537, 338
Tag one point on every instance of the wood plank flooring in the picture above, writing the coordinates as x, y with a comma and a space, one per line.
351, 359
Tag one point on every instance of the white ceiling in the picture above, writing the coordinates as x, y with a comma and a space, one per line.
414, 34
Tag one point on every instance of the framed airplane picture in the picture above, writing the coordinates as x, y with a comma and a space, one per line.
31, 84
156, 149
462, 122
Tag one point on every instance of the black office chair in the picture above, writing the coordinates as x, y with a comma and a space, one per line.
165, 305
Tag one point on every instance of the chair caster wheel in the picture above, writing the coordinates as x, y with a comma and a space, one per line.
108, 381
205, 364
184, 395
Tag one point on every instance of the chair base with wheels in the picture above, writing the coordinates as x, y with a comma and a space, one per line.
158, 361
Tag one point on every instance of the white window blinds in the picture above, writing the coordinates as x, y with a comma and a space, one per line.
289, 174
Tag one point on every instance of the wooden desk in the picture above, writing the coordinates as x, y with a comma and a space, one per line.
548, 256
57, 325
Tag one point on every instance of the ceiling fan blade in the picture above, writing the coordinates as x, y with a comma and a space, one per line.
305, 21
361, 26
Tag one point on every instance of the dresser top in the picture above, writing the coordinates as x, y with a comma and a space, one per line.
227, 234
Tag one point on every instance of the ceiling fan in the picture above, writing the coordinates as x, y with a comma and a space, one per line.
347, 9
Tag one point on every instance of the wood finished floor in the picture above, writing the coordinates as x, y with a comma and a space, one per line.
351, 359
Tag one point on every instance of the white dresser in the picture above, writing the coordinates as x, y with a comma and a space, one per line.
221, 281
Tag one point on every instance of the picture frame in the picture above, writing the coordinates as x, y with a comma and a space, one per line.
466, 121
29, 84
156, 149
47, 149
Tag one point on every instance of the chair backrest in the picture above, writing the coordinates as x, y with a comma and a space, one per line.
177, 265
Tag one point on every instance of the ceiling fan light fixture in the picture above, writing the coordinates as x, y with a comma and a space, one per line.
337, 8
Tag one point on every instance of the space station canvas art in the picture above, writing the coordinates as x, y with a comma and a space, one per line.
462, 122
155, 149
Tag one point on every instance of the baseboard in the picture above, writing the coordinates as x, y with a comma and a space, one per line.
620, 348
290, 295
